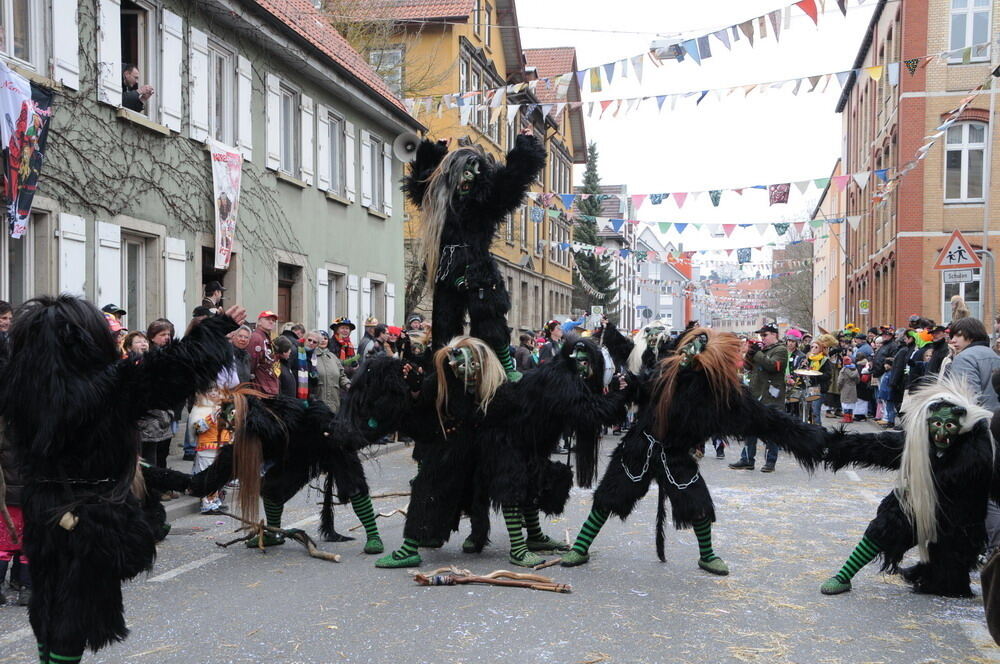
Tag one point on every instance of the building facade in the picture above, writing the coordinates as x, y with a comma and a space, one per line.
124, 212
890, 254
829, 261
659, 287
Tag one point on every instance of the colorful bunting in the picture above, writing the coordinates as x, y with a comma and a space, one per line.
778, 193
809, 7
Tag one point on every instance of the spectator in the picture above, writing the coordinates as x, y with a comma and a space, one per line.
414, 322
818, 359
958, 308
324, 339
342, 346
553, 334
6, 318
283, 349
213, 296
886, 351
865, 392
135, 343
367, 338
939, 349
134, 96
862, 348
523, 359
767, 362
897, 380
160, 332
11, 543
885, 395
392, 343
294, 331
240, 339
975, 362
807, 340
211, 432
114, 310
376, 344
330, 378
847, 381
264, 366
795, 355
156, 426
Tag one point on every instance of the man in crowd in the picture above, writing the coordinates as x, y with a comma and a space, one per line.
939, 344
264, 365
414, 322
134, 96
6, 317
861, 347
213, 296
767, 362
370, 323
240, 339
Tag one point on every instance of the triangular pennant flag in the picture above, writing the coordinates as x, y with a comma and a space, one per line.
728, 229
739, 191
781, 229
704, 49
762, 27
842, 77
723, 37
799, 227
609, 71
775, 18
638, 200
716, 196
862, 179
680, 227
604, 105
802, 185
911, 65
603, 223
892, 73
691, 47
679, 198
822, 183
567, 200
664, 226
701, 96
853, 221
746, 27
580, 76
623, 67
843, 6
840, 181
595, 79
875, 72
813, 81
815, 223
617, 224
637, 67
809, 7
659, 101
881, 174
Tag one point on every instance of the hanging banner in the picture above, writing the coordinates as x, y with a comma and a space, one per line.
227, 171
26, 110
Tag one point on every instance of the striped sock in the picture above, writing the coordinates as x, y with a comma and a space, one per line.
512, 517
531, 523
863, 554
273, 512
362, 505
64, 659
42, 659
503, 354
592, 526
408, 549
703, 531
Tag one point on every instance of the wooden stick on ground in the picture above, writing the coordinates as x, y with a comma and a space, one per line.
383, 515
258, 530
501, 577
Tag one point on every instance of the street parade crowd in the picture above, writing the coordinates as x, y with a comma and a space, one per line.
89, 411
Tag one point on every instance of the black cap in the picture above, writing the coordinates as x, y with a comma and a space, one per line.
113, 309
213, 286
203, 311
860, 335
938, 328
767, 327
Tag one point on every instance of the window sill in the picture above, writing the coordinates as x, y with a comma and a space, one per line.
375, 213
965, 204
32, 75
285, 177
970, 63
142, 121
337, 198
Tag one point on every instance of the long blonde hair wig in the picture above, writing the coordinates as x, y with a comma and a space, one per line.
491, 376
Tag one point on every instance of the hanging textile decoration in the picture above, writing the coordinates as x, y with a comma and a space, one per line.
781, 229
911, 65
716, 196
743, 255
778, 193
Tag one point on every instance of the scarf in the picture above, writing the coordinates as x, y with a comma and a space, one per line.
816, 361
346, 348
302, 366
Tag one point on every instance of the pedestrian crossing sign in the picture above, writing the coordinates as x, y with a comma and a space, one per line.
957, 254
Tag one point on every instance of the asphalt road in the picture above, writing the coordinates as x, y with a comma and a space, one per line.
782, 534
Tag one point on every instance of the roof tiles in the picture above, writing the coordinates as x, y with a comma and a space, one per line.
423, 9
550, 62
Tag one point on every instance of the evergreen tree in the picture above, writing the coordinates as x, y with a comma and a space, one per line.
595, 270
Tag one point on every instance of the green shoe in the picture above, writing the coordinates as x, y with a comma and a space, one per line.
270, 539
527, 559
572, 558
833, 586
470, 546
393, 563
374, 545
433, 543
714, 566
514, 376
546, 543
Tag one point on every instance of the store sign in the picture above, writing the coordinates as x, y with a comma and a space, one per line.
958, 276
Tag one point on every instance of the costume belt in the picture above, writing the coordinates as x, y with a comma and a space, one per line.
663, 460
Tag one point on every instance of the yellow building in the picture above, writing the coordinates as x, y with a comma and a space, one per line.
443, 53
828, 259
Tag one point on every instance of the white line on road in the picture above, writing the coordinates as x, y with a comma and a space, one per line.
304, 522
195, 564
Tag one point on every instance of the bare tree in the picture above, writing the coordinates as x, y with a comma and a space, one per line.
793, 293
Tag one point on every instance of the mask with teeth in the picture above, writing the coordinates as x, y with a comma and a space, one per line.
944, 424
465, 367
653, 333
692, 348
584, 365
469, 176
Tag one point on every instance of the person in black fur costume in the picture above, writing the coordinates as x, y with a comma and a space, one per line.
498, 455
694, 394
948, 469
71, 406
464, 195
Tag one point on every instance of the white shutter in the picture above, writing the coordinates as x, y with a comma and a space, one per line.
66, 43
175, 280
108, 268
244, 107
366, 168
390, 303
387, 183
352, 305
198, 86
366, 299
350, 174
109, 52
171, 63
273, 109
323, 147
72, 254
322, 299
308, 138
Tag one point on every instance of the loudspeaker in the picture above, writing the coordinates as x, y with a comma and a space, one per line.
404, 148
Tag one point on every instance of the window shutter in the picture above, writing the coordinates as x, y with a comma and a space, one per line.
171, 62
390, 303
350, 174
273, 107
308, 138
72, 254
108, 266
322, 299
352, 304
387, 183
367, 306
109, 52
244, 101
198, 90
366, 168
175, 278
323, 147
66, 43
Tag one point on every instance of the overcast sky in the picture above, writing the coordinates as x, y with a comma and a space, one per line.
761, 139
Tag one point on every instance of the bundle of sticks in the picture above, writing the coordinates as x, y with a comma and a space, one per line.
453, 576
258, 530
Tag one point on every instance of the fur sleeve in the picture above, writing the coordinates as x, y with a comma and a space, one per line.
749, 417
429, 156
165, 479
215, 476
167, 377
617, 344
881, 450
512, 180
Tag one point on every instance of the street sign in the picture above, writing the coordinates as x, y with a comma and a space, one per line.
596, 311
647, 313
957, 254
958, 276
864, 306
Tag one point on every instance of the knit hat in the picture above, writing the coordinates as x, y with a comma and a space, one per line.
793, 334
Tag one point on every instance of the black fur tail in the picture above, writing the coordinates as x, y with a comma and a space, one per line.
588, 447
661, 520
326, 514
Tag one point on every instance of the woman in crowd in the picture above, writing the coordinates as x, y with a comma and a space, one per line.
156, 426
135, 343
342, 346
818, 359
330, 377
975, 362
553, 334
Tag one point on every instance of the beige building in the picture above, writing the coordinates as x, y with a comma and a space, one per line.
828, 260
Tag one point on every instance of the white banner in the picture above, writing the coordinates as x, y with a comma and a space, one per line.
227, 171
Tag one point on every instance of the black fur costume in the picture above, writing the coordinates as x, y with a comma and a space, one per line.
71, 407
467, 278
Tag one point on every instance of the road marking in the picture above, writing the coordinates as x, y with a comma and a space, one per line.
304, 522
177, 571
869, 497
15, 636
853, 475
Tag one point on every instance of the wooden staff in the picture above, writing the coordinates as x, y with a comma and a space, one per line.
382, 515
501, 577
258, 530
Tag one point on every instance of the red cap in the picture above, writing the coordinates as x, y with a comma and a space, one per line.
267, 314
392, 329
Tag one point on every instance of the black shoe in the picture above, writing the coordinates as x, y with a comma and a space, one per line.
24, 596
189, 456
767, 468
720, 455
742, 465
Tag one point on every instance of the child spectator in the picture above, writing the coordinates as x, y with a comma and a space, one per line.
210, 424
847, 381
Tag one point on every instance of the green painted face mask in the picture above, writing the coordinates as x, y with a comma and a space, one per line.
468, 177
944, 422
584, 365
653, 333
465, 367
692, 348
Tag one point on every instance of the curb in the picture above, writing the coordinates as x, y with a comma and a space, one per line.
188, 505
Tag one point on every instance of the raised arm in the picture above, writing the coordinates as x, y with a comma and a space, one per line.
429, 155
881, 450
511, 181
617, 344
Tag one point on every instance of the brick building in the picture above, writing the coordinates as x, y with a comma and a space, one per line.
890, 252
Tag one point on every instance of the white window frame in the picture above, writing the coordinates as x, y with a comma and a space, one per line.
150, 67
477, 16
968, 12
488, 36
964, 147
377, 173
225, 134
37, 47
381, 60
135, 319
291, 157
338, 153
975, 306
27, 269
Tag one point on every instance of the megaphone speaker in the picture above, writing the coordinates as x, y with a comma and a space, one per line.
404, 148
